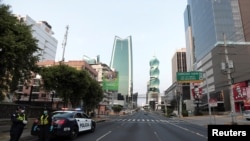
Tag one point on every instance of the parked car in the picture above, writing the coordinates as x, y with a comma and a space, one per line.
68, 123
246, 114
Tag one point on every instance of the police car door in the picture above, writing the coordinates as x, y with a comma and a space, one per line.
87, 121
82, 124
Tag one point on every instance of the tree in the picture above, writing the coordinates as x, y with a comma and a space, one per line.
72, 86
93, 96
17, 48
117, 108
80, 87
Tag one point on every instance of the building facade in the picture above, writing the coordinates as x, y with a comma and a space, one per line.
122, 62
179, 92
154, 82
42, 31
213, 28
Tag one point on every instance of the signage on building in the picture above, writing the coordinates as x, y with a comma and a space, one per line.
213, 102
196, 91
111, 81
187, 77
240, 91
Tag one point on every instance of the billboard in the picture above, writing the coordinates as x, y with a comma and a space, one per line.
196, 90
110, 81
240, 91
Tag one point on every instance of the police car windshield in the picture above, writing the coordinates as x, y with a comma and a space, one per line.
63, 114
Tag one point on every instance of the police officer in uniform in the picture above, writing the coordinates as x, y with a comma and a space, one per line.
19, 121
45, 126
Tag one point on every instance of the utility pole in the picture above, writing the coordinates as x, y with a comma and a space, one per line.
228, 69
208, 98
65, 42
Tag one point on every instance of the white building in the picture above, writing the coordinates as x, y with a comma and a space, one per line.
42, 31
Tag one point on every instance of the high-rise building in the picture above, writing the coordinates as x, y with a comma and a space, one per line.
218, 43
42, 31
178, 63
207, 21
122, 62
154, 82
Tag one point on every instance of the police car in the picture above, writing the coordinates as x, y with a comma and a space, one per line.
69, 123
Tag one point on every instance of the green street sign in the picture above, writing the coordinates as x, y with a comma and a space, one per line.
187, 77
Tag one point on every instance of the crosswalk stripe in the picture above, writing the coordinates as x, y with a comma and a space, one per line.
149, 120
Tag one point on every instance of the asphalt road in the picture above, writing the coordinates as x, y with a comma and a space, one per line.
138, 125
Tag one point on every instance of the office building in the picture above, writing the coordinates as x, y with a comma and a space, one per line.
154, 82
122, 62
217, 41
42, 31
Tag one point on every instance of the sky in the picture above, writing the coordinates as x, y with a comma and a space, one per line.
156, 27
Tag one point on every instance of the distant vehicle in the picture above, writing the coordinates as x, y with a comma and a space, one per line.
246, 114
68, 123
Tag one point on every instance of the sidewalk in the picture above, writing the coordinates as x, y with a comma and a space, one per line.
6, 123
217, 120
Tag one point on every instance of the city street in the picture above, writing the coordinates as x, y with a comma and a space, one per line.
146, 127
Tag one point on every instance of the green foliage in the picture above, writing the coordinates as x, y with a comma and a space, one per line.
93, 96
169, 111
72, 86
17, 48
185, 113
117, 108
67, 82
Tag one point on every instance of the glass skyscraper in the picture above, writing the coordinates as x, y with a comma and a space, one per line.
122, 61
217, 34
210, 20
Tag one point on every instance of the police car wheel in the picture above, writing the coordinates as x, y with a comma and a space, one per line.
74, 133
92, 128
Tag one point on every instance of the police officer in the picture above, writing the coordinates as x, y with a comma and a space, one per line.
45, 126
19, 121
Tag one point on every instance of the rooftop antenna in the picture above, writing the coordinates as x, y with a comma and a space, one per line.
65, 42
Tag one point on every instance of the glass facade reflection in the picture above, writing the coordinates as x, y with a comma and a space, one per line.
210, 21
122, 61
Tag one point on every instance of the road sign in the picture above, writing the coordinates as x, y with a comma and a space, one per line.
213, 102
187, 77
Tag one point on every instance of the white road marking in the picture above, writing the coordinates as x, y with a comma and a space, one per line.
103, 135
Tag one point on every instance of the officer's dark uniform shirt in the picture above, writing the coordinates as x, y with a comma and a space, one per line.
17, 120
17, 126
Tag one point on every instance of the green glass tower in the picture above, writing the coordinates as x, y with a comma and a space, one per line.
122, 61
